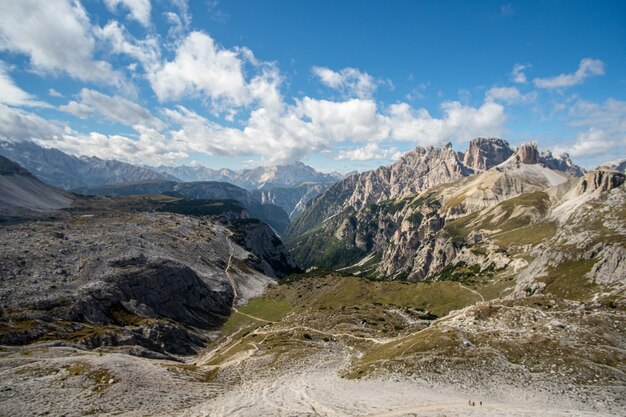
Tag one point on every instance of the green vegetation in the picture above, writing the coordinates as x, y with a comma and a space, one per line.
567, 280
532, 234
337, 254
271, 310
335, 292
500, 218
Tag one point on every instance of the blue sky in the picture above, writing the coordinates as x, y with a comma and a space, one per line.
339, 85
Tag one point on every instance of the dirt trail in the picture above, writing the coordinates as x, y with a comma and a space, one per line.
474, 291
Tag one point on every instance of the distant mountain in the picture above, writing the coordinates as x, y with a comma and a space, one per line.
204, 190
291, 199
66, 171
264, 177
20, 190
358, 216
619, 166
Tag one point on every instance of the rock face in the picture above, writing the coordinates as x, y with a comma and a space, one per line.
291, 199
527, 153
561, 163
156, 280
66, 171
457, 226
600, 179
484, 153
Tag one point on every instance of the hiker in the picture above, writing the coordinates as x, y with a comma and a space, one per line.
481, 403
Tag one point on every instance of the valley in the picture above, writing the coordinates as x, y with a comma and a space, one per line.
496, 276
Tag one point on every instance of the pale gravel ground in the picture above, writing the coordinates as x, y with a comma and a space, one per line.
304, 388
316, 390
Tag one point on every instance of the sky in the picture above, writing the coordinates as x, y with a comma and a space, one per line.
340, 85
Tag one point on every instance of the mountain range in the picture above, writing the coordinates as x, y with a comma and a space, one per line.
262, 177
395, 221
496, 274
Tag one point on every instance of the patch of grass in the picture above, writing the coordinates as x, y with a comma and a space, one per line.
428, 341
532, 234
537, 202
334, 291
271, 310
568, 281
238, 321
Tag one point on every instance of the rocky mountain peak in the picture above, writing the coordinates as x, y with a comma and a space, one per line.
527, 153
563, 162
600, 179
484, 153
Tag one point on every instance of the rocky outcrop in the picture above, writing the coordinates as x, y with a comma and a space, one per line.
484, 153
611, 267
561, 163
159, 280
527, 153
600, 179
267, 253
291, 199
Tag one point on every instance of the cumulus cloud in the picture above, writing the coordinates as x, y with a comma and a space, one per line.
54, 93
57, 38
348, 81
202, 66
18, 124
139, 9
370, 152
588, 67
114, 108
603, 137
13, 95
459, 122
518, 74
509, 95
147, 51
592, 143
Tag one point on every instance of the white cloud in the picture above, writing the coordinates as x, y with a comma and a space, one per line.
54, 93
349, 81
592, 143
146, 51
370, 152
509, 95
13, 95
114, 108
588, 67
603, 137
202, 66
139, 9
609, 116
56, 36
459, 122
518, 74
17, 124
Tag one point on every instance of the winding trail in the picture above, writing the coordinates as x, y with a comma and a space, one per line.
233, 283
474, 291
